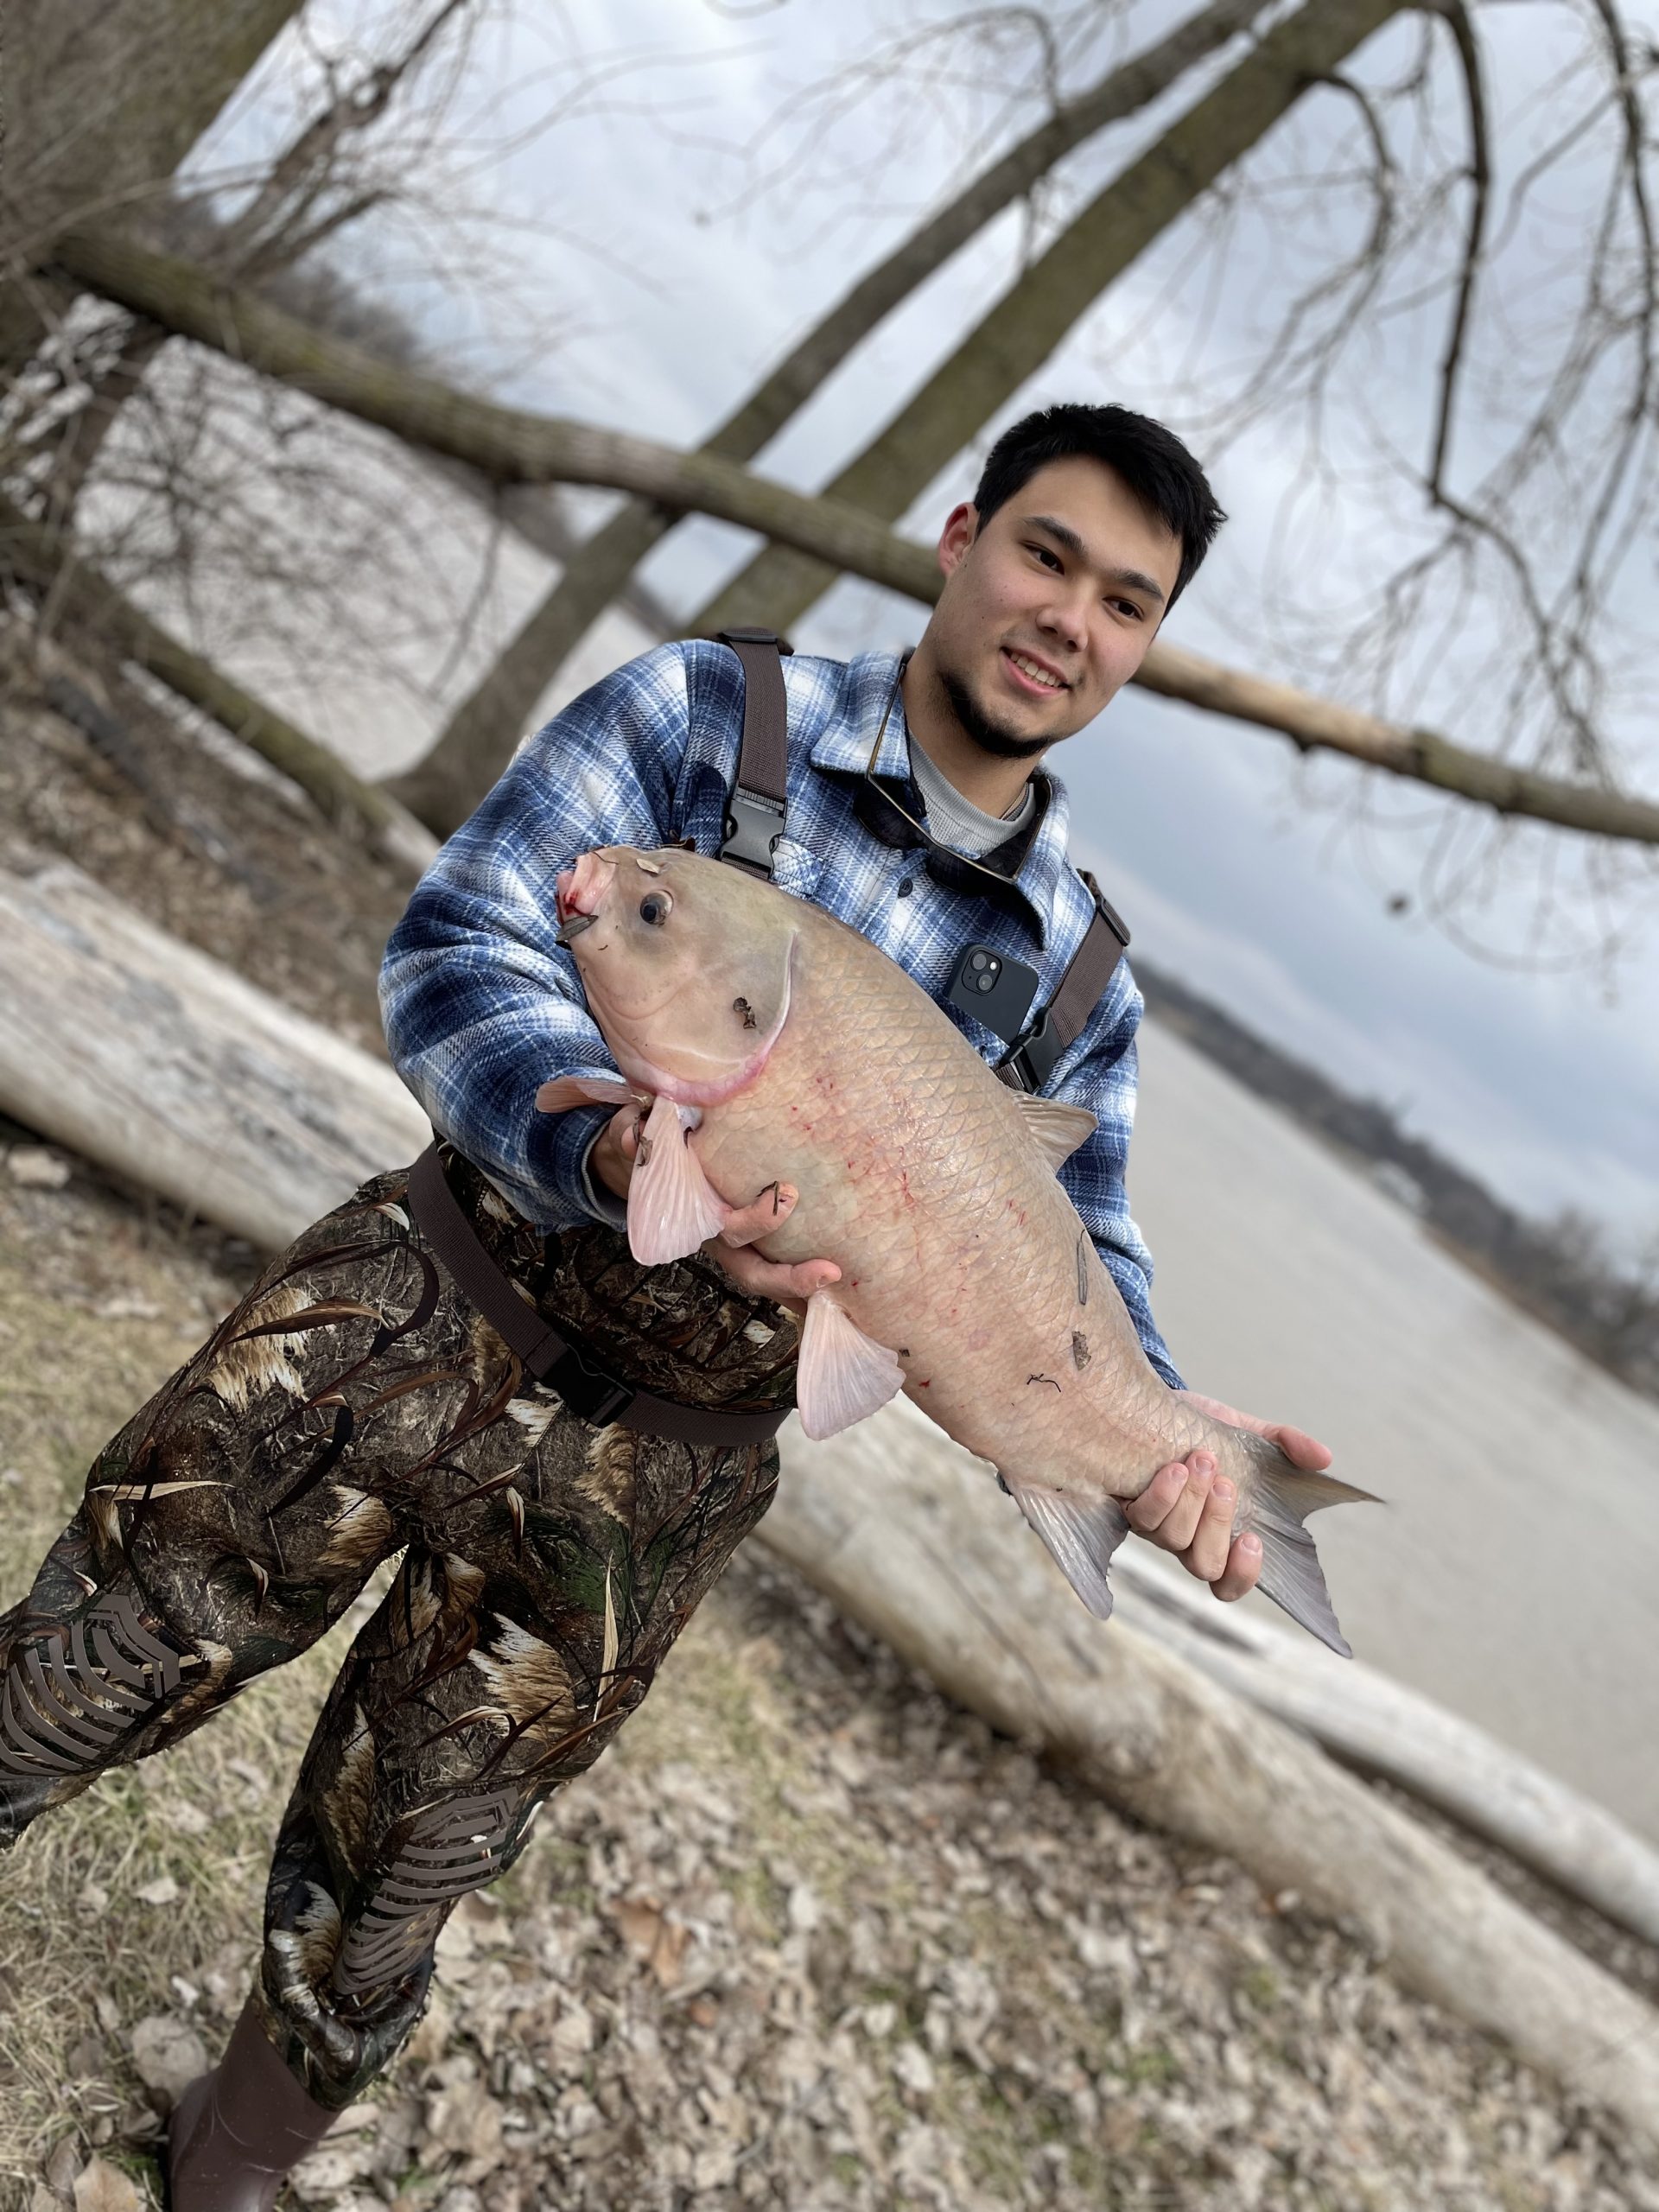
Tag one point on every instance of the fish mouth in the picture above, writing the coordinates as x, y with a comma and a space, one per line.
580, 892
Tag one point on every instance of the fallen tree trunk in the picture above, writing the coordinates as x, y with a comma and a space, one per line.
509, 446
144, 1055
911, 1536
153, 1059
1380, 1727
45, 562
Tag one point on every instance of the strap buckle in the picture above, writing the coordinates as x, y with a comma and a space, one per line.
754, 825
1031, 1061
591, 1391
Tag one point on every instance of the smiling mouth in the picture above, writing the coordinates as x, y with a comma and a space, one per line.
1033, 672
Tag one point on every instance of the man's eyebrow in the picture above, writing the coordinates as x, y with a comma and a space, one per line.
1063, 534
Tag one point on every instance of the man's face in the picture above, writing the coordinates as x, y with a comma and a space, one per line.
1048, 608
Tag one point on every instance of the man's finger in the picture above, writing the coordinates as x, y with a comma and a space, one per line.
1182, 1525
1147, 1513
748, 1224
1244, 1569
624, 1127
1302, 1449
1206, 1555
772, 1278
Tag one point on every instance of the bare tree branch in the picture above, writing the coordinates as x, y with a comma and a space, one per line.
1019, 332
100, 109
443, 788
508, 447
1480, 175
283, 221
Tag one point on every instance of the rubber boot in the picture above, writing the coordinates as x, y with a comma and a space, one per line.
235, 2133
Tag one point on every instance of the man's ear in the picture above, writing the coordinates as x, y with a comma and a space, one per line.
960, 528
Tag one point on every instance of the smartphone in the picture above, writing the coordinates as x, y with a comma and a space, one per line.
994, 989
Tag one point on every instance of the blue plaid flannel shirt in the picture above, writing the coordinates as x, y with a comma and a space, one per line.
482, 1005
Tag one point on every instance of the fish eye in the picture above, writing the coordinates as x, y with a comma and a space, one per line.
655, 908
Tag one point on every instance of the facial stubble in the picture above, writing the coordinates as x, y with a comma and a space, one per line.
983, 729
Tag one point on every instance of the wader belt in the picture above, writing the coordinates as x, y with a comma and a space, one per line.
586, 1386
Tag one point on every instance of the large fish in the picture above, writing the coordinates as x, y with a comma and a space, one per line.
766, 1042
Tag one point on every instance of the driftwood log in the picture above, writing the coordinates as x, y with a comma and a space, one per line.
910, 1535
1379, 1726
154, 1060
160, 1063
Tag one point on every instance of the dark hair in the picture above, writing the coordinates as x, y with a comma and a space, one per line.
1152, 461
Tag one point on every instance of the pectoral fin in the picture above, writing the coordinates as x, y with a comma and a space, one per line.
672, 1206
843, 1374
1083, 1533
568, 1091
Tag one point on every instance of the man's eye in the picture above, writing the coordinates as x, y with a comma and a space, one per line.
655, 908
1127, 606
1046, 553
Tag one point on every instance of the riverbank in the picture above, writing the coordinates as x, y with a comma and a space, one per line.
808, 1937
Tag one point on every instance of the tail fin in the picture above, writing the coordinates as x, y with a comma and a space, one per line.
1281, 1498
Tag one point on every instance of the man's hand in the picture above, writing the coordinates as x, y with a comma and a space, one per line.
791, 1285
1188, 1510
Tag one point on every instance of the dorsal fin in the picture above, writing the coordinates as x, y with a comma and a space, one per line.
1056, 1128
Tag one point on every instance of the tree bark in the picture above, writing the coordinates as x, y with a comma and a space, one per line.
445, 786
509, 446
47, 567
1014, 341
102, 105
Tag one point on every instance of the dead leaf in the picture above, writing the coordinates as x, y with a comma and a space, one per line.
166, 2053
100, 2187
651, 1935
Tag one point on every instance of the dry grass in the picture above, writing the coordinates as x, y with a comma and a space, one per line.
96, 1304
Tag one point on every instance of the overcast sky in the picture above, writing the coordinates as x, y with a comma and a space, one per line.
654, 298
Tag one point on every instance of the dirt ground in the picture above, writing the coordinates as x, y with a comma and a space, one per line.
808, 1937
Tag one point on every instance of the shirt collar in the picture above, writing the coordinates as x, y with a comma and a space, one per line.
1031, 859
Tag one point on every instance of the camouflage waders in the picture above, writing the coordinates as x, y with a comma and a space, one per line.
355, 1404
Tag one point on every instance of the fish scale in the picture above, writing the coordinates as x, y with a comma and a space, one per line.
920, 1176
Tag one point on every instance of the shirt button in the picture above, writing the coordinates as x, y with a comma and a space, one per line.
905, 886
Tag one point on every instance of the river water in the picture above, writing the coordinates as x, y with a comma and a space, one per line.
1514, 1574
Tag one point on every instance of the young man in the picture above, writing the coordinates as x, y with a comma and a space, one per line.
359, 1403
1086, 525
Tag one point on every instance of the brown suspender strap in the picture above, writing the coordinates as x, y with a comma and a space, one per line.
584, 1382
1062, 1021
754, 822
755, 809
